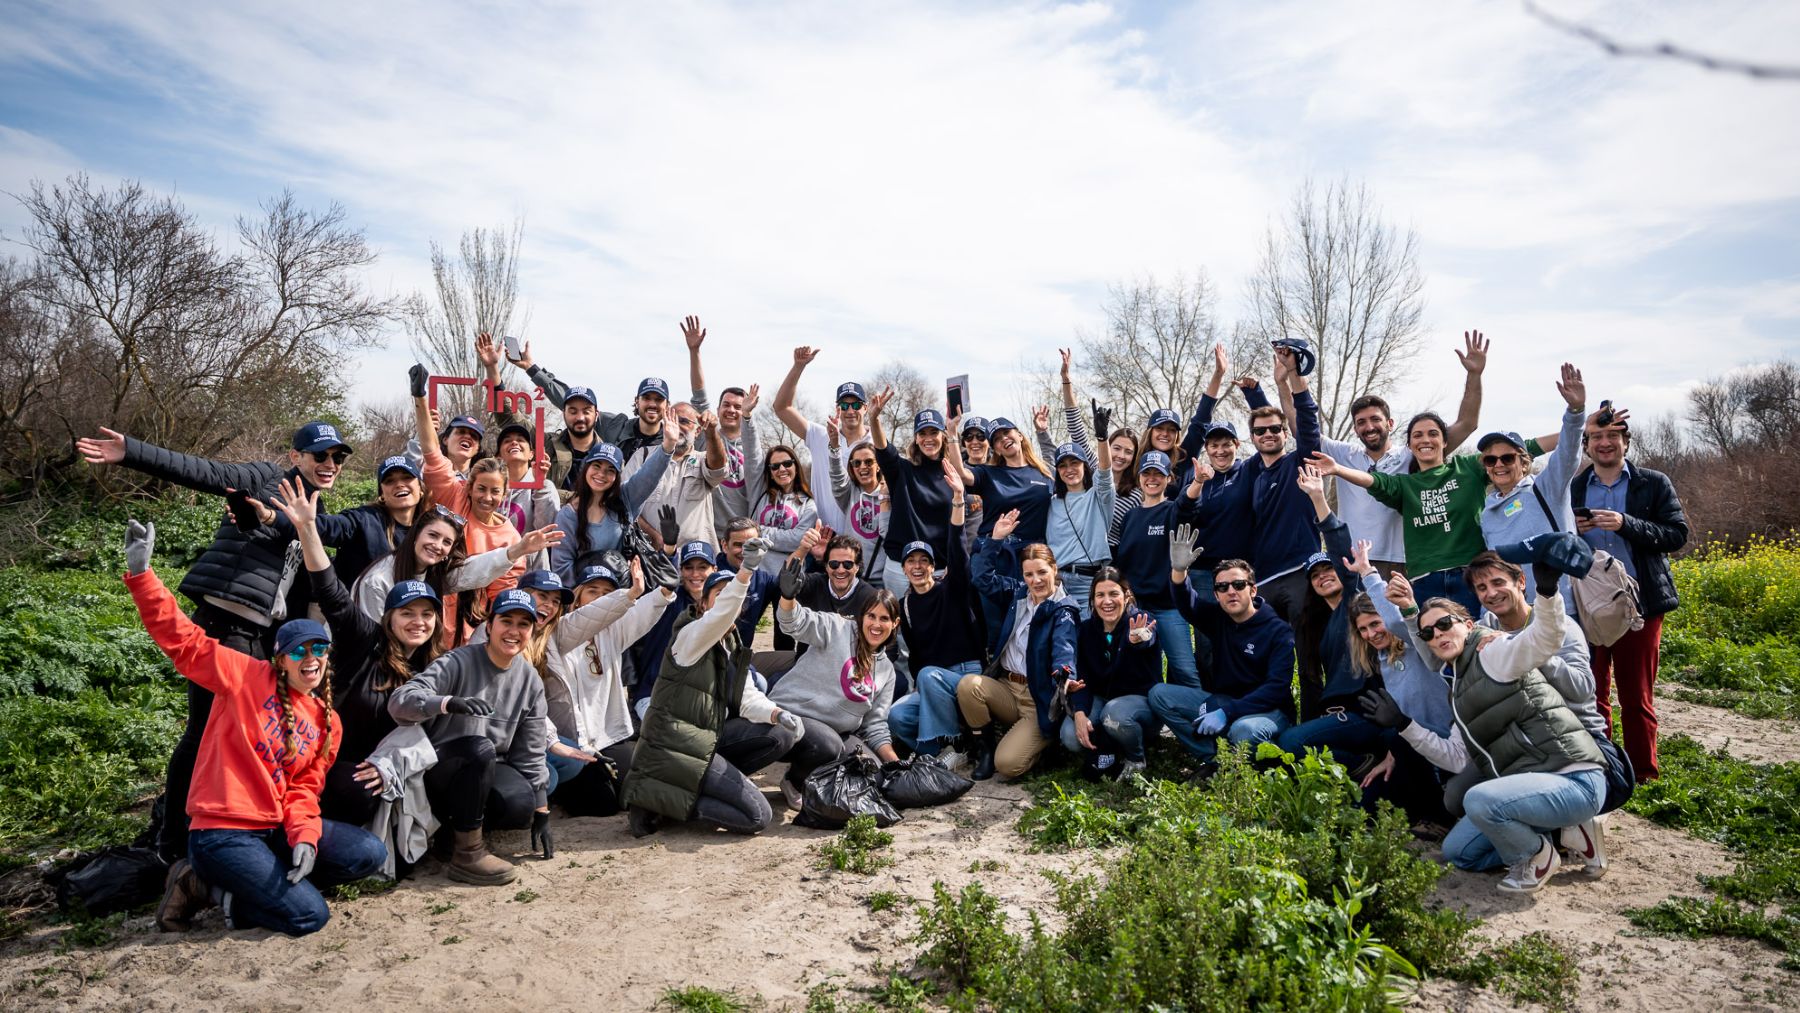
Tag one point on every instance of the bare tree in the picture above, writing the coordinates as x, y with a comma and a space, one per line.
1663, 50
474, 292
1333, 272
912, 394
1749, 411
129, 316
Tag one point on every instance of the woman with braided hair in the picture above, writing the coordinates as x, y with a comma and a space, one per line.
257, 845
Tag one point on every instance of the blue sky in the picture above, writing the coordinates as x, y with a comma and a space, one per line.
956, 184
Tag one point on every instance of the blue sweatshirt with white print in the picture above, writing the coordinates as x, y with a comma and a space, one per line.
1252, 661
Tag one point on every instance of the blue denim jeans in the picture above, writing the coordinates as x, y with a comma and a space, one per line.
1126, 720
1080, 588
1350, 737
252, 865
925, 720
1507, 817
562, 768
1180, 706
1176, 638
1446, 584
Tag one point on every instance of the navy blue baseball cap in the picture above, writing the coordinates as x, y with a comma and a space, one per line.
1000, 422
1068, 450
1220, 429
1164, 417
653, 385
696, 550
469, 422
399, 462
589, 574
1155, 460
912, 547
717, 577
851, 389
546, 580
977, 424
1304, 359
514, 600
1565, 551
581, 394
1502, 436
1316, 559
930, 418
316, 436
522, 428
295, 632
408, 591
604, 452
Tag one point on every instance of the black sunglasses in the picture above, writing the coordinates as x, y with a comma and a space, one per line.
444, 513
773, 465
334, 456
1266, 430
1489, 460
842, 564
850, 406
1222, 586
1443, 625
863, 463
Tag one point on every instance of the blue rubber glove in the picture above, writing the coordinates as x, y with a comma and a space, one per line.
1209, 723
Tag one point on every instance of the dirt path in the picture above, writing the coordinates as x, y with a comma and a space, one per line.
612, 922
1758, 740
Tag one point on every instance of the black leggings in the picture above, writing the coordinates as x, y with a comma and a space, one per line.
752, 745
240, 635
729, 799
344, 798
470, 788
821, 745
593, 791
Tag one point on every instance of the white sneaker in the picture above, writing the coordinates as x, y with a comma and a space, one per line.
793, 796
1527, 875
957, 761
1586, 843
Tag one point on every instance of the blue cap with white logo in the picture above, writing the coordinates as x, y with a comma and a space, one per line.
696, 550
1067, 451
1155, 460
1316, 559
717, 577
469, 422
653, 385
547, 581
581, 394
605, 452
409, 591
1220, 429
976, 423
999, 423
1503, 436
849, 390
316, 436
1164, 417
595, 572
930, 418
514, 600
399, 462
912, 547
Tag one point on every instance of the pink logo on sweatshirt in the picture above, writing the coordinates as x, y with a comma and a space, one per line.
860, 688
865, 519
734, 468
779, 516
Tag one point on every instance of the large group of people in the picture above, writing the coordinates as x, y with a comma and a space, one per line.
504, 633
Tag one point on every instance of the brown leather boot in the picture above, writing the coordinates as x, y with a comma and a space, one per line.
184, 896
473, 863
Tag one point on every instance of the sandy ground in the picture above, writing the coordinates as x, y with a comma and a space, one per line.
612, 922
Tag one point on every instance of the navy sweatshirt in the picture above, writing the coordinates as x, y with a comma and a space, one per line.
1225, 516
1142, 553
939, 625
1287, 531
1110, 664
764, 590
1325, 665
1024, 489
1252, 661
918, 503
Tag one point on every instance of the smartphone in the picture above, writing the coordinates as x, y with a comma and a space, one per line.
515, 347
957, 401
1584, 513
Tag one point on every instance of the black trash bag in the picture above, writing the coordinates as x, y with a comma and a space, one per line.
842, 790
113, 879
922, 781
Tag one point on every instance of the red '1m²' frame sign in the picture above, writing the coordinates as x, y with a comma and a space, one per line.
496, 400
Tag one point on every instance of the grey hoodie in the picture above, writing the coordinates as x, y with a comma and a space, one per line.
517, 726
822, 684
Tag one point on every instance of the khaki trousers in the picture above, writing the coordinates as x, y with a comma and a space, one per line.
985, 701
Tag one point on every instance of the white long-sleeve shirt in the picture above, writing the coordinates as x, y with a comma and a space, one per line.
704, 633
587, 697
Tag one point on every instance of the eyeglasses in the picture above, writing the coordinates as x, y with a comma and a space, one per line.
850, 406
1489, 460
778, 465
1266, 430
317, 649
1443, 625
842, 564
334, 456
1222, 586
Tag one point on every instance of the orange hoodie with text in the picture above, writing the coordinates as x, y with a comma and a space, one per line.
243, 780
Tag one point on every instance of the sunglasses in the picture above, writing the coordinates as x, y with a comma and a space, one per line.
334, 456
317, 649
850, 406
862, 464
1489, 460
841, 564
1266, 430
442, 512
1222, 586
778, 465
1443, 625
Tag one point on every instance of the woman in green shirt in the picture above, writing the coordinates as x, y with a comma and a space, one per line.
1440, 505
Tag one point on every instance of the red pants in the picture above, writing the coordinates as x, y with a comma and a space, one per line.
1633, 662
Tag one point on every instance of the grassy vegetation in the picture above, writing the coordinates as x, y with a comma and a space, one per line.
1735, 641
858, 849
1534, 969
700, 999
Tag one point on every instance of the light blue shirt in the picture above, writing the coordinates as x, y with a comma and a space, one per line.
1601, 496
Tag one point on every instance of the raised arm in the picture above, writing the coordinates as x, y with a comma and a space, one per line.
784, 395
555, 391
1468, 414
1040, 423
840, 480
953, 450
199, 473
1327, 466
693, 335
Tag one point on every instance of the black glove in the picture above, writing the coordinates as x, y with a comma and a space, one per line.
667, 527
1548, 578
1102, 419
243, 512
473, 706
418, 374
540, 834
1378, 706
793, 578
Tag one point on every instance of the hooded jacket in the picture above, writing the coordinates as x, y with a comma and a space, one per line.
1050, 646
1252, 662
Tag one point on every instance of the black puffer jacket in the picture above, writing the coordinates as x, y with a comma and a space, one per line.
1654, 525
235, 567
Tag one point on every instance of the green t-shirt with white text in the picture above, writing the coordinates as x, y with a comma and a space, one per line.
1440, 510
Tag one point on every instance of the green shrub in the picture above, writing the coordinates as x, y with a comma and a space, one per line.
1535, 969
856, 849
67, 631
1735, 641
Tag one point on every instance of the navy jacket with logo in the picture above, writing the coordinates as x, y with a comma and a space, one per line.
1252, 661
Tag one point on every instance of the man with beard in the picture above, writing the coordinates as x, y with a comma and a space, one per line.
1374, 451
